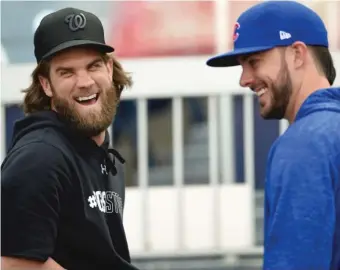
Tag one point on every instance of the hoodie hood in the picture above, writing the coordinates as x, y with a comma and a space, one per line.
35, 121
51, 119
327, 99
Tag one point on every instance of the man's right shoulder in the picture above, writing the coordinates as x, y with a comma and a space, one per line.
41, 142
36, 164
33, 153
47, 136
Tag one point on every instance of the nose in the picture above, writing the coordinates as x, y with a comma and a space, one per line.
84, 80
247, 78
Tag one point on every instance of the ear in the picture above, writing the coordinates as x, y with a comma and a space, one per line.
46, 86
300, 52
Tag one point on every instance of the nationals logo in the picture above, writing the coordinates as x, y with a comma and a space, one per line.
76, 22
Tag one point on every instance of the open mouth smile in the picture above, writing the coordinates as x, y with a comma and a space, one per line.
87, 100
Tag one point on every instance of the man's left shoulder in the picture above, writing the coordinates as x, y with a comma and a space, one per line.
320, 122
316, 127
317, 134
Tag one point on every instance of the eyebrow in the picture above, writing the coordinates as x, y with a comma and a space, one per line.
63, 69
95, 61
247, 56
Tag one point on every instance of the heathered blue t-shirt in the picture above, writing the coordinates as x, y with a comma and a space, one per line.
302, 192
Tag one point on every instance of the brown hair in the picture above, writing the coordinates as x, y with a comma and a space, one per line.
36, 100
324, 62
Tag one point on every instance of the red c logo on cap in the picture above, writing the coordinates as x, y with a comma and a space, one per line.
235, 34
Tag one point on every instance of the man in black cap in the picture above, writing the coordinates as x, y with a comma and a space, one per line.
62, 185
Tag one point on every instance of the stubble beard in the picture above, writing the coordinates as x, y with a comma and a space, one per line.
281, 94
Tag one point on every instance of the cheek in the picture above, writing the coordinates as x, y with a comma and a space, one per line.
267, 76
63, 88
103, 80
274, 72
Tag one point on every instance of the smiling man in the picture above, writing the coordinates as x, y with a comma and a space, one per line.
62, 185
282, 47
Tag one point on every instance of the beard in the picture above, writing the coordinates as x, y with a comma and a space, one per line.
281, 93
94, 122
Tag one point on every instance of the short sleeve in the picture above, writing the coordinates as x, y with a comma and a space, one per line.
34, 181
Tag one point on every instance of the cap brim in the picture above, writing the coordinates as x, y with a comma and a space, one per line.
78, 43
230, 59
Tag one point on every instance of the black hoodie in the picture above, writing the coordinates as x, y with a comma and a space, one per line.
62, 196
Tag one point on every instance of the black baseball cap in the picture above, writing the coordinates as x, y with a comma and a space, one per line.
67, 28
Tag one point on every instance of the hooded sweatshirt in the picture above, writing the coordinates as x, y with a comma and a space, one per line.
302, 190
62, 196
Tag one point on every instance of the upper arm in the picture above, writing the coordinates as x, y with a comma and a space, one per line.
33, 183
302, 215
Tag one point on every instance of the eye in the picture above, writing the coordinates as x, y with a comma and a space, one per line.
96, 66
65, 73
254, 62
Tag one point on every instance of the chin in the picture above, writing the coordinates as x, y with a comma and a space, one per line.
88, 108
266, 113
272, 114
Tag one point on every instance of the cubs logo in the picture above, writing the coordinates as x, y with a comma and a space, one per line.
235, 33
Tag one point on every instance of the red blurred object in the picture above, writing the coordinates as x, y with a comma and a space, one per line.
176, 28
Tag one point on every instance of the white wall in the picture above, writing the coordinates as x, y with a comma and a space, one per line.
190, 219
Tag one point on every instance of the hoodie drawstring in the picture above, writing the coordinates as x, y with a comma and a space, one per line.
111, 162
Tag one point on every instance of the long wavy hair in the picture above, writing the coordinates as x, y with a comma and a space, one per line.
36, 100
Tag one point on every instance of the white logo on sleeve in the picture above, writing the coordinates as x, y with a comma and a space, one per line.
106, 202
285, 35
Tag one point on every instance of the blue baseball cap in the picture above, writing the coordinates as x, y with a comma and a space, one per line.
271, 24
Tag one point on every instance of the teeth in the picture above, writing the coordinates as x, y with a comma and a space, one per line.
261, 92
87, 98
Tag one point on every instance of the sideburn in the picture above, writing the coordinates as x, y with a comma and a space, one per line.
282, 91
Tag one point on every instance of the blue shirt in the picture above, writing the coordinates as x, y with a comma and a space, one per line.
302, 191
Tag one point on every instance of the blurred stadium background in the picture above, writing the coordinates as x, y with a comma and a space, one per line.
195, 144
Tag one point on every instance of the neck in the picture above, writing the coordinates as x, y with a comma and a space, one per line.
99, 139
310, 85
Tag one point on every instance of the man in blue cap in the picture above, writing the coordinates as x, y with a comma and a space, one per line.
282, 47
